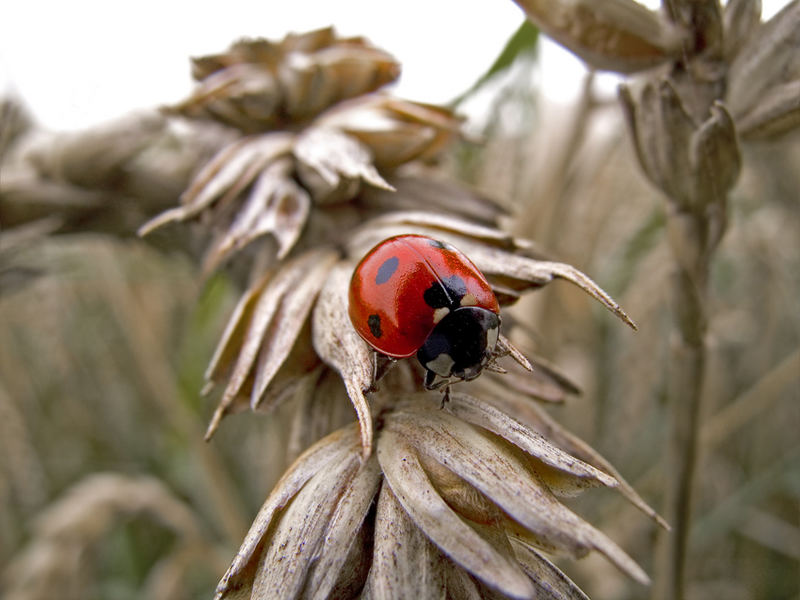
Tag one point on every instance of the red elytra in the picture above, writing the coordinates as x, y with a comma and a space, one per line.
405, 285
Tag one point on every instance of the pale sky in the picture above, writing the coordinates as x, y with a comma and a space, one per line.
84, 61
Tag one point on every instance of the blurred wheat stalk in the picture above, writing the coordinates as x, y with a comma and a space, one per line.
717, 76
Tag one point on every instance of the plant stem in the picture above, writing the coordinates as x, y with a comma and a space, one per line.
685, 391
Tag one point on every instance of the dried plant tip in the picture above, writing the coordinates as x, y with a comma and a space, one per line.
276, 205
550, 582
714, 155
266, 325
694, 165
332, 164
433, 222
662, 128
298, 535
769, 58
777, 113
395, 131
613, 35
225, 176
741, 20
340, 534
484, 415
540, 420
421, 190
573, 275
338, 344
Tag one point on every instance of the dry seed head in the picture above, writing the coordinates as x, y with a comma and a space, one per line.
249, 190
467, 503
693, 164
259, 85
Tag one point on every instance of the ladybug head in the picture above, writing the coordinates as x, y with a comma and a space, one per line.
461, 344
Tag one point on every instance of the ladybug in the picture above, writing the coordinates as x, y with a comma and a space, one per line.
412, 294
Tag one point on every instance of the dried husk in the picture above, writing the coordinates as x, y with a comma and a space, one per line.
395, 131
741, 19
477, 412
455, 502
316, 461
504, 479
777, 113
613, 35
462, 544
264, 329
770, 58
332, 165
549, 580
693, 164
269, 184
540, 421
340, 536
225, 176
338, 344
404, 562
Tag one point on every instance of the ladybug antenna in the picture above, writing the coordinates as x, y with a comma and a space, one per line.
506, 348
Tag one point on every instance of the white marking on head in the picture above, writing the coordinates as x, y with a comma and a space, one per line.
440, 313
469, 300
441, 365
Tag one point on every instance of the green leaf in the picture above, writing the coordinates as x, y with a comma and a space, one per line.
522, 42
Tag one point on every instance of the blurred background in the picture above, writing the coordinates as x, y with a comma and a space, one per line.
104, 338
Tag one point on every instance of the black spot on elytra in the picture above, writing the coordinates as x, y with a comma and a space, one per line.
387, 269
446, 293
374, 322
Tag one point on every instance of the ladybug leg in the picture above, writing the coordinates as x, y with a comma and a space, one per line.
381, 364
445, 396
430, 378
493, 367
